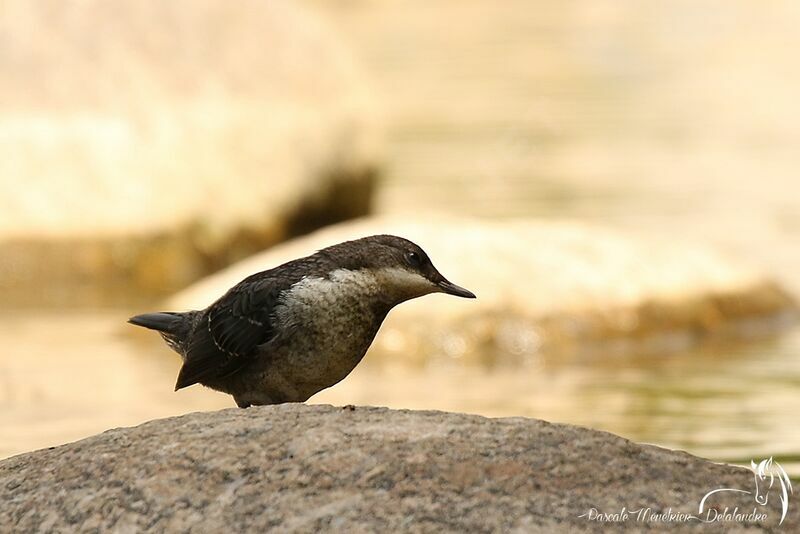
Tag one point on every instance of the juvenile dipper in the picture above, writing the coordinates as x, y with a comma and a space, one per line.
284, 334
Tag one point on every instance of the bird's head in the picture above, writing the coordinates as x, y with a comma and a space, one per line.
401, 268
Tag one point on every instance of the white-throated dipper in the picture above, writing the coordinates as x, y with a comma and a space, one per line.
284, 334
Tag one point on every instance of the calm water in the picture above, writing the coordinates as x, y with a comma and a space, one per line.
679, 118
67, 376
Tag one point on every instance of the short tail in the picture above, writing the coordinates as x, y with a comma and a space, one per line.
174, 327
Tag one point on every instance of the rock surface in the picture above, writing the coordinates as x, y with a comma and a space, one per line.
297, 468
547, 286
179, 137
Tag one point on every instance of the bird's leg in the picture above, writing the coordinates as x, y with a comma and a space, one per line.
242, 403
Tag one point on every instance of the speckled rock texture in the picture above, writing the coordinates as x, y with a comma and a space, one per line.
181, 136
548, 286
298, 468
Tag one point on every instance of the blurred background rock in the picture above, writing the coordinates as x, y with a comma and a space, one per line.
615, 180
144, 144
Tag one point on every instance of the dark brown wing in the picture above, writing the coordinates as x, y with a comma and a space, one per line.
227, 337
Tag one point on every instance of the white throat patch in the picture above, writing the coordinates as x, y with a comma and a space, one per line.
391, 281
403, 281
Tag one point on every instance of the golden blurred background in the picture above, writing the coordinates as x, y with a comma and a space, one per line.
617, 181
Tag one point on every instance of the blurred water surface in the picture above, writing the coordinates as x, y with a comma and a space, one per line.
67, 376
677, 118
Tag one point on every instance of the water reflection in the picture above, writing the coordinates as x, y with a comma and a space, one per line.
724, 403
69, 376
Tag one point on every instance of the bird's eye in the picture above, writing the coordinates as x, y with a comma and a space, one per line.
413, 259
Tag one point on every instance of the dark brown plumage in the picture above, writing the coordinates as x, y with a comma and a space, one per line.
283, 334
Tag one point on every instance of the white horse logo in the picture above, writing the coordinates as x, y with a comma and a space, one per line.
766, 472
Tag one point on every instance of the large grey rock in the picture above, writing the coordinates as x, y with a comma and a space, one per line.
548, 286
298, 468
143, 144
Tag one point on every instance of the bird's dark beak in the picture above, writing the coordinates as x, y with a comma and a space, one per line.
451, 289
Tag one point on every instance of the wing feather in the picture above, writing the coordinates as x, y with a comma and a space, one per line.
233, 329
